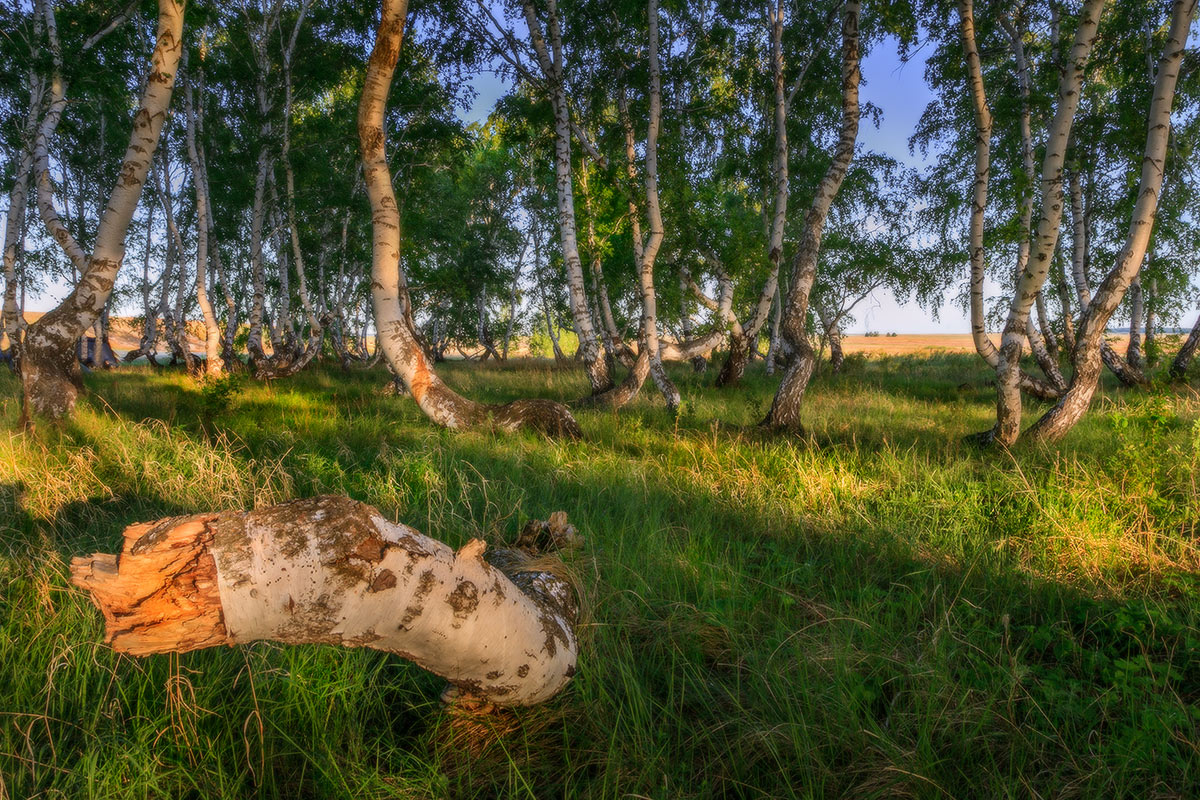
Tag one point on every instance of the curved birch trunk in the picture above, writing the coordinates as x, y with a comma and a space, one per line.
1037, 342
331, 570
1087, 356
1118, 366
1046, 328
649, 249
393, 321
177, 322
1064, 299
614, 344
976, 255
740, 341
785, 408
49, 373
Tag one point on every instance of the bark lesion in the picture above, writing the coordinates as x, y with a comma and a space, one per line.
162, 591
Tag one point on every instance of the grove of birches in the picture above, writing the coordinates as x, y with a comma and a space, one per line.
330, 256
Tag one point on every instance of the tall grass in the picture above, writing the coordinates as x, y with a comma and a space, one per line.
872, 610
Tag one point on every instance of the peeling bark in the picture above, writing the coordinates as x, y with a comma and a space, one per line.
331, 570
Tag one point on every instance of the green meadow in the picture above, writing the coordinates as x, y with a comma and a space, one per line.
874, 609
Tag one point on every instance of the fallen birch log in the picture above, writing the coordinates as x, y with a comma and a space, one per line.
500, 625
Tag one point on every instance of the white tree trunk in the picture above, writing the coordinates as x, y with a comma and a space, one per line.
332, 570
1033, 277
388, 291
551, 61
785, 408
1090, 336
212, 332
745, 334
49, 374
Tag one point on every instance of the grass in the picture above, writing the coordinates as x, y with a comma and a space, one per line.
873, 610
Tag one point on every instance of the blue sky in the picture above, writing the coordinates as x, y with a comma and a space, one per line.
900, 91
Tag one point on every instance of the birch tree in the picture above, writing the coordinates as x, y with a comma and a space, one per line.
393, 320
331, 570
786, 407
50, 374
1086, 358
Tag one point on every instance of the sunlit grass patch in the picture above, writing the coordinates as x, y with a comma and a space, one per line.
872, 609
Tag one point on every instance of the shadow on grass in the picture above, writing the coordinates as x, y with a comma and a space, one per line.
733, 648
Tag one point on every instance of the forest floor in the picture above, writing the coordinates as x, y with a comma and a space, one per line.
875, 609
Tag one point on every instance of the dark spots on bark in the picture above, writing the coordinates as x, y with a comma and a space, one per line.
464, 599
371, 136
371, 548
425, 585
554, 633
494, 674
410, 613
570, 671
522, 670
365, 638
384, 580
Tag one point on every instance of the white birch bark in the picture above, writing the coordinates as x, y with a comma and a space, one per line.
397, 336
212, 331
746, 333
1094, 320
977, 256
49, 374
785, 408
1033, 277
551, 62
332, 570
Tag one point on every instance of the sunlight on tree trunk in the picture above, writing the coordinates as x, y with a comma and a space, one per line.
393, 318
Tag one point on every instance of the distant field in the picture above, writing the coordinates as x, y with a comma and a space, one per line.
906, 343
125, 333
